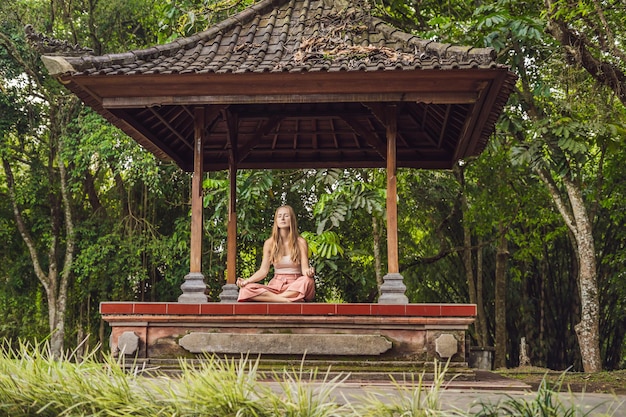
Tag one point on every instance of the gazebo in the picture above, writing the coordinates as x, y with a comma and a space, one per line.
295, 84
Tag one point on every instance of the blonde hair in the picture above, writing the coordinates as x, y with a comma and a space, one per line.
292, 238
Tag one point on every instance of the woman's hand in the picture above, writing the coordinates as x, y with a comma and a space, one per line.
241, 282
310, 272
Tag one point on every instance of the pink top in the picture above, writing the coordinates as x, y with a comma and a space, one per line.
285, 266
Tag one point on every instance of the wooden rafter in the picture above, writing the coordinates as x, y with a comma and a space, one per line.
372, 139
139, 128
170, 128
442, 132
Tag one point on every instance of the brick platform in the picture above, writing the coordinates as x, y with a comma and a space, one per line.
417, 332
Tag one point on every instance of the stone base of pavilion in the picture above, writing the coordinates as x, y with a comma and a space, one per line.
386, 334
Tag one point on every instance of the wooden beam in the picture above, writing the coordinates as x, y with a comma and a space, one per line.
434, 85
323, 111
391, 121
195, 264
377, 110
444, 125
135, 129
369, 136
293, 163
412, 110
477, 119
429, 97
213, 114
263, 130
333, 133
170, 127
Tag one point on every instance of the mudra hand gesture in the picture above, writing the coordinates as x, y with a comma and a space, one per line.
310, 272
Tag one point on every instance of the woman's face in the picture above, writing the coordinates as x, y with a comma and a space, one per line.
283, 218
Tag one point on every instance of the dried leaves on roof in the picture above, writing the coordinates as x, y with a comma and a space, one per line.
334, 43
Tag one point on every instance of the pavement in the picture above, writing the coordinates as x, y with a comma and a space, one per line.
470, 396
468, 399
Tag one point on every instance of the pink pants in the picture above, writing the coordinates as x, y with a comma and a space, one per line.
280, 284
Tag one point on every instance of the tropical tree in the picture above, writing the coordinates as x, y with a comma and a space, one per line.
558, 145
57, 167
592, 37
558, 139
31, 151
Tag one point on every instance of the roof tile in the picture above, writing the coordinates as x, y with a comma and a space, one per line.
300, 36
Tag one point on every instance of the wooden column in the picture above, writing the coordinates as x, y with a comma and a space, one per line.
230, 291
392, 191
392, 290
231, 257
194, 286
196, 192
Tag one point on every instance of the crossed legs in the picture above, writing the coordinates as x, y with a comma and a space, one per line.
270, 297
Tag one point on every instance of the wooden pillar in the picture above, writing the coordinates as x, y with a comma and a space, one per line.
392, 191
230, 291
392, 290
196, 193
194, 286
231, 257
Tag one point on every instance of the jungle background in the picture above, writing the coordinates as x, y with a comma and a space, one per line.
532, 231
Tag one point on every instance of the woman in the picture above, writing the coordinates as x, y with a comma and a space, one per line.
288, 252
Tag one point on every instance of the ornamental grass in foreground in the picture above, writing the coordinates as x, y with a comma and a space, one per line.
35, 383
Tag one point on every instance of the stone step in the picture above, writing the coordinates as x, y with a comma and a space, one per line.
353, 370
361, 373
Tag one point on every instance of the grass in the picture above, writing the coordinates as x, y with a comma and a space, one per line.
613, 382
413, 399
547, 403
35, 383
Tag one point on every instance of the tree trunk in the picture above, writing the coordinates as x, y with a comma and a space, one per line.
70, 244
502, 257
577, 220
469, 269
55, 284
49, 280
480, 303
472, 283
56, 318
92, 194
378, 264
588, 329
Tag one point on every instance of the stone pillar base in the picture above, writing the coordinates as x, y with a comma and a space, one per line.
229, 293
392, 290
194, 289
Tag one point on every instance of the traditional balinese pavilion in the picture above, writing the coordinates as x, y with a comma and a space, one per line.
291, 84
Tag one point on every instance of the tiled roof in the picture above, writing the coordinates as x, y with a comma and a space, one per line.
290, 36
298, 84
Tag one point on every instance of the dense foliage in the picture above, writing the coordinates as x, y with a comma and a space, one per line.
110, 222
33, 382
